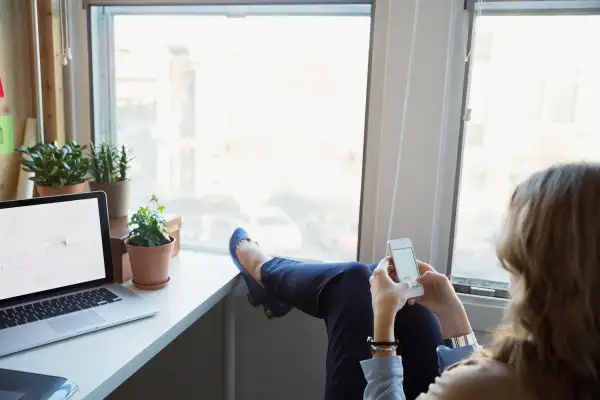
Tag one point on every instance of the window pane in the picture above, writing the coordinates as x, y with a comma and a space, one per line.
253, 121
534, 95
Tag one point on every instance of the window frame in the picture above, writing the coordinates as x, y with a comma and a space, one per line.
401, 34
395, 201
394, 25
485, 306
102, 73
534, 7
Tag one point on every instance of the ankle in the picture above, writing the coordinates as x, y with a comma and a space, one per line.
257, 271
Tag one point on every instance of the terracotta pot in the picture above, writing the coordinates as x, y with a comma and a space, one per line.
46, 191
117, 195
150, 265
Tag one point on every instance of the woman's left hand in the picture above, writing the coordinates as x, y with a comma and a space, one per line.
387, 296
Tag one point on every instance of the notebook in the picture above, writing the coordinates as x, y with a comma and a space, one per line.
19, 385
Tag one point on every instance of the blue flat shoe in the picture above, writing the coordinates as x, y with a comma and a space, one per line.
257, 294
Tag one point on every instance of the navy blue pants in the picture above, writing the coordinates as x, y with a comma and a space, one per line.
339, 293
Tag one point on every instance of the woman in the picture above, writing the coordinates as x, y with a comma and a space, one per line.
548, 349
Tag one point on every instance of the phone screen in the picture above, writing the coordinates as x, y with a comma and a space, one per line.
404, 261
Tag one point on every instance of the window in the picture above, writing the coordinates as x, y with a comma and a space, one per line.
476, 134
560, 100
483, 45
542, 89
251, 116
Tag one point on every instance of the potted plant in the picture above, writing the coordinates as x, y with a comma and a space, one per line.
57, 170
149, 246
108, 172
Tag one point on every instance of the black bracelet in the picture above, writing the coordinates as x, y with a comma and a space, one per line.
372, 343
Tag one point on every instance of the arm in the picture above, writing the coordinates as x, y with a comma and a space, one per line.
385, 375
454, 323
448, 357
384, 378
384, 372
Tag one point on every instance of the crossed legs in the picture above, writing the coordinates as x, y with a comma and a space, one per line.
339, 293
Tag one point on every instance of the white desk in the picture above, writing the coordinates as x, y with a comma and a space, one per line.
101, 361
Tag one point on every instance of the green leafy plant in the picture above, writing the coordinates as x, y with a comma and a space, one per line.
55, 166
148, 226
109, 163
125, 159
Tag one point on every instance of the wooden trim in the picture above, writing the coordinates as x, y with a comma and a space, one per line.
52, 77
31, 53
19, 101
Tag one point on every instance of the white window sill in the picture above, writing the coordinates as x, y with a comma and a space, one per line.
485, 313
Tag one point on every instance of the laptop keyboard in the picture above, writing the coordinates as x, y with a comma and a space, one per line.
54, 307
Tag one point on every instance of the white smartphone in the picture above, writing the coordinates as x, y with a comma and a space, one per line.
405, 262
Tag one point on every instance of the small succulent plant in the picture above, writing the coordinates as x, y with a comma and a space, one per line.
55, 166
109, 163
148, 226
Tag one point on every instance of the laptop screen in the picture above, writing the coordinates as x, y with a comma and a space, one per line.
49, 246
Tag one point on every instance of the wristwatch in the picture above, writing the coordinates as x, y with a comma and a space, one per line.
461, 341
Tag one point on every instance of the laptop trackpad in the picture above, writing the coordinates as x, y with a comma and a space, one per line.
75, 322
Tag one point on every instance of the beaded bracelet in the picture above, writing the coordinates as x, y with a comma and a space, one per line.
382, 347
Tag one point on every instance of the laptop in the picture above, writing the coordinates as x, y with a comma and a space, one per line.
56, 276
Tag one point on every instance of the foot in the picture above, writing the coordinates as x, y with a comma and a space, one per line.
252, 258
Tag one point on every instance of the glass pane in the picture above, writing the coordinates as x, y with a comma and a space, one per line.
255, 121
534, 94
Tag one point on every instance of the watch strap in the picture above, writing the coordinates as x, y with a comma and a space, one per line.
461, 341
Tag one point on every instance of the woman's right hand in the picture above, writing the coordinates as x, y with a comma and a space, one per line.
441, 299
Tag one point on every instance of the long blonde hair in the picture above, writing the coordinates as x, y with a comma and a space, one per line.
551, 241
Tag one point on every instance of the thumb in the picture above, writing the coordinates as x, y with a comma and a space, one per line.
382, 267
411, 281
427, 277
424, 267
406, 285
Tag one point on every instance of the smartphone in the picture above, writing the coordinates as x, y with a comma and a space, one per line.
405, 263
